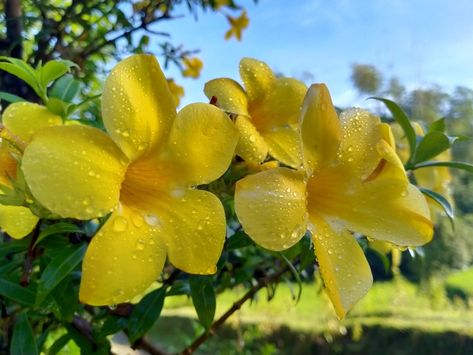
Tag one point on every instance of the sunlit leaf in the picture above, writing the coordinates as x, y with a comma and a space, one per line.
10, 97
438, 125
442, 202
65, 88
431, 145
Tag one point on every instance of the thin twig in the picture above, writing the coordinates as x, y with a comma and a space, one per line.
30, 255
262, 282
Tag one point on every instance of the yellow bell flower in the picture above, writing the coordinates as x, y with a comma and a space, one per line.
176, 90
267, 112
192, 67
437, 179
20, 120
237, 25
144, 172
353, 181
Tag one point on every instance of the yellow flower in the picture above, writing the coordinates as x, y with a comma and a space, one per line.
437, 179
353, 182
237, 25
267, 112
143, 172
192, 67
176, 90
21, 120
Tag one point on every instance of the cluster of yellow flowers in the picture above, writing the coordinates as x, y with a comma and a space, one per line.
341, 175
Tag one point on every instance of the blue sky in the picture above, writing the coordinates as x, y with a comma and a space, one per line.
420, 41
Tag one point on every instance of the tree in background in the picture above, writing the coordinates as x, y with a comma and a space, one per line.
93, 33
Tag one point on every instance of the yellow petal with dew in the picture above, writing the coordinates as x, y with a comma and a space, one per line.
202, 141
251, 146
193, 224
257, 78
345, 271
138, 108
74, 171
123, 259
384, 208
284, 144
280, 106
361, 133
320, 128
271, 207
24, 119
17, 221
229, 94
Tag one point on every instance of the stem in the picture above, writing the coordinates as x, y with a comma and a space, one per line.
30, 255
262, 282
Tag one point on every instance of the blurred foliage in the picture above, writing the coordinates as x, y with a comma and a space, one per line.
366, 78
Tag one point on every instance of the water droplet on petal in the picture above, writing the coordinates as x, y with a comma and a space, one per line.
120, 224
152, 219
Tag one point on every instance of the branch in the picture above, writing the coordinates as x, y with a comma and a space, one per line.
262, 282
30, 256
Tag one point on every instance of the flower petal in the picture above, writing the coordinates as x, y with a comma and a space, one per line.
123, 259
23, 119
17, 221
280, 106
361, 134
284, 145
74, 171
230, 95
8, 164
251, 146
203, 141
271, 207
193, 224
345, 271
138, 108
257, 77
383, 208
320, 128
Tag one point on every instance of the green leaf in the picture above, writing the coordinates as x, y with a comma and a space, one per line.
239, 240
442, 202
431, 145
23, 341
51, 71
145, 314
450, 164
58, 269
65, 88
112, 325
203, 298
400, 117
438, 125
10, 97
19, 72
59, 344
12, 290
57, 228
57, 106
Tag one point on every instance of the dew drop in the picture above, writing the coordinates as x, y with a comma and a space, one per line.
120, 224
152, 219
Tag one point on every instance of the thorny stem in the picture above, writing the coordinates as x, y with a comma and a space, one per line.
262, 282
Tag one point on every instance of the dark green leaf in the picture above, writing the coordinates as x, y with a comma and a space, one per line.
450, 164
10, 97
441, 201
400, 117
145, 314
59, 344
58, 269
58, 228
23, 341
431, 145
438, 125
65, 88
112, 325
296, 275
239, 240
203, 298
85, 344
65, 296
12, 290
